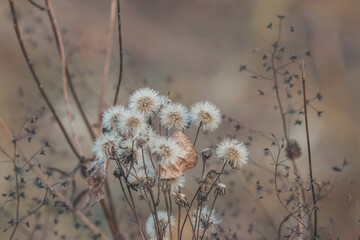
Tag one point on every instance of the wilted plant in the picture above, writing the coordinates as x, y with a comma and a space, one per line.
147, 141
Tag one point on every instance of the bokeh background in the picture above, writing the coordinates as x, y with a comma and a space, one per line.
192, 50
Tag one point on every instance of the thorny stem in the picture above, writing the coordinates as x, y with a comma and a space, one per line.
120, 52
312, 182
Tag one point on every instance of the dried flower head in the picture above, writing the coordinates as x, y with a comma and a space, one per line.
128, 152
220, 189
174, 116
165, 150
111, 116
145, 100
173, 184
206, 154
206, 218
206, 115
163, 225
180, 199
132, 123
106, 145
142, 175
293, 149
233, 152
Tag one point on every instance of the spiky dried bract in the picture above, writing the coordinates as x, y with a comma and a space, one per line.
207, 219
163, 225
145, 100
206, 115
106, 145
165, 150
173, 184
233, 151
111, 117
132, 123
174, 116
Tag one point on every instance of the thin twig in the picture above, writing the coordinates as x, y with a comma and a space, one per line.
309, 150
53, 189
64, 80
120, 53
37, 81
70, 81
107, 58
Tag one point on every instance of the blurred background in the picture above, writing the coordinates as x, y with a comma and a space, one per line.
193, 50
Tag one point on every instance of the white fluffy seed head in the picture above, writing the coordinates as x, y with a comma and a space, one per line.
173, 184
205, 114
206, 221
174, 116
163, 224
145, 100
106, 145
131, 123
111, 116
233, 151
165, 150
139, 173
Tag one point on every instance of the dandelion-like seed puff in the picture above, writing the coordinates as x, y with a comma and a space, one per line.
111, 117
206, 115
207, 219
163, 225
232, 151
132, 123
145, 100
105, 145
174, 116
166, 150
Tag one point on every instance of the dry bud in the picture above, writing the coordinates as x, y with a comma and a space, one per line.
206, 154
293, 149
220, 189
180, 199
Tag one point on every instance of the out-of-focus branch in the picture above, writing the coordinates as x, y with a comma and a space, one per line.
120, 52
107, 58
53, 189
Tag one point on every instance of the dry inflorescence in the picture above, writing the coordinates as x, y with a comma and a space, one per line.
147, 142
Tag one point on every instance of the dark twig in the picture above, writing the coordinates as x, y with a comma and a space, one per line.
309, 151
120, 52
37, 81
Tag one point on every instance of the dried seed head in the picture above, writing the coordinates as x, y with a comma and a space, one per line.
145, 100
173, 184
205, 115
207, 218
293, 149
132, 123
206, 154
163, 225
220, 189
174, 116
180, 199
233, 152
106, 146
165, 150
111, 116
